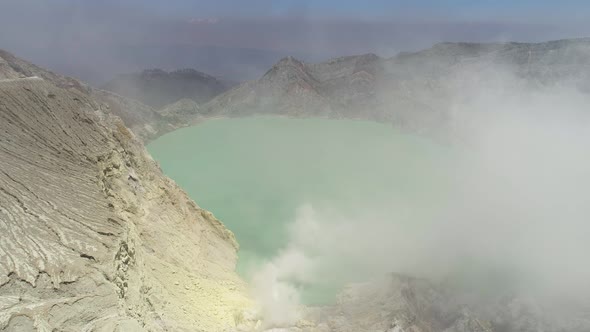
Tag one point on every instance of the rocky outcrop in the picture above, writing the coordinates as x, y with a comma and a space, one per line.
93, 236
158, 88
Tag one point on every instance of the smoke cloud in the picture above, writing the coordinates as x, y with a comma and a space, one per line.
513, 218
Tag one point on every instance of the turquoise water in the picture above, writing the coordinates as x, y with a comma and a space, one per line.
253, 173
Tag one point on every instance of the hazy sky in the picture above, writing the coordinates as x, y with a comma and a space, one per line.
491, 9
96, 39
530, 10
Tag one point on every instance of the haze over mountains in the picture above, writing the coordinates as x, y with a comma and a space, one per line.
145, 121
410, 90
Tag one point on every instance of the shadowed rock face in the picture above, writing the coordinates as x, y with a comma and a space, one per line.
93, 236
158, 88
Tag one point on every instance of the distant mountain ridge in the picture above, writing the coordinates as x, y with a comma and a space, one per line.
409, 90
157, 88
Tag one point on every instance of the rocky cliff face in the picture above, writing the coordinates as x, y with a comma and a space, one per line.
93, 236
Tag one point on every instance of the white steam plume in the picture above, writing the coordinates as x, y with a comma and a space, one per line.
515, 217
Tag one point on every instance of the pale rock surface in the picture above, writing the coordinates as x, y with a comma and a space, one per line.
93, 236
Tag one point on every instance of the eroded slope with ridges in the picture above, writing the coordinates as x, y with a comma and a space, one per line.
93, 236
53, 211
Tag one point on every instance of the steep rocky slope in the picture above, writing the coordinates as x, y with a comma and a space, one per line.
93, 236
410, 90
158, 88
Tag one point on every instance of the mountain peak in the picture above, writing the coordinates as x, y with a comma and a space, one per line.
289, 60
288, 70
